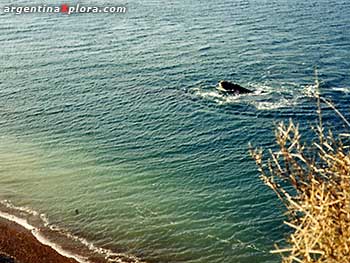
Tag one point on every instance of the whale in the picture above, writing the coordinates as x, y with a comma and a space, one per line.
228, 87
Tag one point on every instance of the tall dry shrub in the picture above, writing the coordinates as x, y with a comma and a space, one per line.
313, 181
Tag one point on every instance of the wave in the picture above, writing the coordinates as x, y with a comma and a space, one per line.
22, 216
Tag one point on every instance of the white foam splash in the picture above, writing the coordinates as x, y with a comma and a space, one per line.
282, 103
27, 210
215, 96
310, 90
342, 89
263, 98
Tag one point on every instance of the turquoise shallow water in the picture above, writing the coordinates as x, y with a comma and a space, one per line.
117, 116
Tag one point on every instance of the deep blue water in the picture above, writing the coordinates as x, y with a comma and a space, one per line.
117, 115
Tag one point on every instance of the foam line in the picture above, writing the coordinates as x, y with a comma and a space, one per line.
36, 233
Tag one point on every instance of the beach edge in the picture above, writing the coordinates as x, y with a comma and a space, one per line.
19, 244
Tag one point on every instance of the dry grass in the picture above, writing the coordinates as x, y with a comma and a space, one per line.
313, 180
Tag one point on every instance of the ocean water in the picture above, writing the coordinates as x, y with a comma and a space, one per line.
112, 134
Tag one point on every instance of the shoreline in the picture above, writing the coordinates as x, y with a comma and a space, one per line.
18, 244
31, 243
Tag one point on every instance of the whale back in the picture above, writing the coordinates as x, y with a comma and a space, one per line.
232, 87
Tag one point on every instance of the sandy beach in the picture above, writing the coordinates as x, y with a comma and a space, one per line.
18, 245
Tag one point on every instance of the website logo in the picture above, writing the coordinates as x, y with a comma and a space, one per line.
64, 9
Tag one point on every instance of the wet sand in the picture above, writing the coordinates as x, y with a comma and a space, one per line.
18, 245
